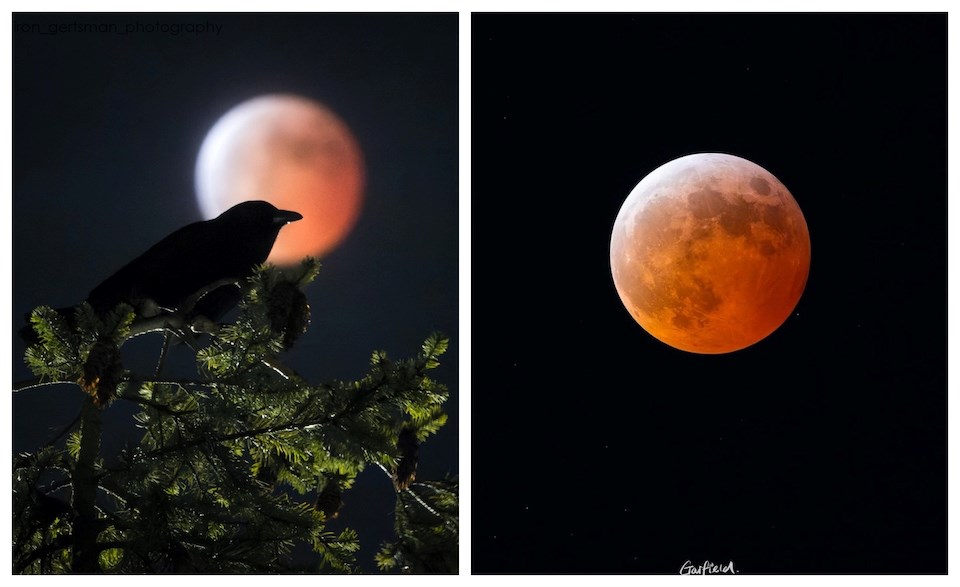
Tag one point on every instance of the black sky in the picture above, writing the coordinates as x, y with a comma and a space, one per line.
596, 448
107, 127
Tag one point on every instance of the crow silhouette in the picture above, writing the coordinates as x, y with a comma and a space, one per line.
191, 258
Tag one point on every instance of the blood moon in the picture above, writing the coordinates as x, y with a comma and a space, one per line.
294, 153
710, 253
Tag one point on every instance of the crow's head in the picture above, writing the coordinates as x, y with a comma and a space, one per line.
258, 215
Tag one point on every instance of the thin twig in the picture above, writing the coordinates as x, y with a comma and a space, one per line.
415, 496
35, 382
66, 482
163, 353
180, 382
281, 369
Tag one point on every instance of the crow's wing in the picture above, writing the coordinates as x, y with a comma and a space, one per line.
167, 272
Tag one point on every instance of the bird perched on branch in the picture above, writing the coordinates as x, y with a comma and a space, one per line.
227, 247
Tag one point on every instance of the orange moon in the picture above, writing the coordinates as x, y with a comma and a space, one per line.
710, 253
294, 153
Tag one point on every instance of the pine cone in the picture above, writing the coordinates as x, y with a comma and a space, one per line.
408, 448
329, 501
288, 311
101, 372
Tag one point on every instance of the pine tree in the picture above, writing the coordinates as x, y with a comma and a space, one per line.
427, 526
220, 480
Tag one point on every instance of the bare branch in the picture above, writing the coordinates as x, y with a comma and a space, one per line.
35, 382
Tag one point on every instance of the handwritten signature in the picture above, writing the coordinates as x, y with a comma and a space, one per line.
707, 568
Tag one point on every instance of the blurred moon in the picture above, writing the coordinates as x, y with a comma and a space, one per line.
710, 253
294, 153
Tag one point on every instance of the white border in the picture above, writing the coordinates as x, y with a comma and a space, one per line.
464, 7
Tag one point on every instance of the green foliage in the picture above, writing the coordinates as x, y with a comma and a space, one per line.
427, 527
66, 342
216, 482
42, 521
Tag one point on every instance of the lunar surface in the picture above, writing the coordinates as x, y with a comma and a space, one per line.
294, 153
710, 253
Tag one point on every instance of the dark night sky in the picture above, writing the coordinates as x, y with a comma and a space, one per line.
106, 132
596, 448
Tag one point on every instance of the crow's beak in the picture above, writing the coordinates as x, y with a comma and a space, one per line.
286, 216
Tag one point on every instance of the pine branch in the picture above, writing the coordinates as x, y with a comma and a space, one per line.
290, 426
155, 405
58, 543
211, 439
35, 382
